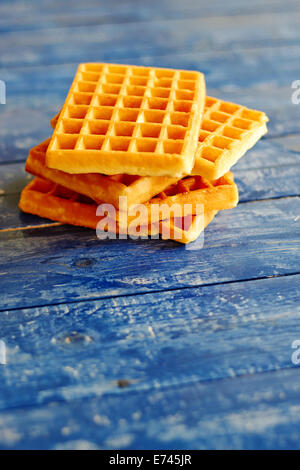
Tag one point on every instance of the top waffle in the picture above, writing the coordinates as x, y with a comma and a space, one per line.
227, 131
128, 119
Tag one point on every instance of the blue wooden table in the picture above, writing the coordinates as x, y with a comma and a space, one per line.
147, 344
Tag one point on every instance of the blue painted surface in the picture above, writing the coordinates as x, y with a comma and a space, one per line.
203, 338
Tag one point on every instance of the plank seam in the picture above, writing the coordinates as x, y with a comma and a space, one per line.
136, 389
170, 52
94, 299
193, 16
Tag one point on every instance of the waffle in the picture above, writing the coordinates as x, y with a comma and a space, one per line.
214, 195
186, 231
190, 191
127, 119
46, 199
100, 188
50, 200
228, 130
187, 196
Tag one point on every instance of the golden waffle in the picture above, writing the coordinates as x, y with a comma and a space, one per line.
190, 191
187, 196
128, 119
49, 200
46, 199
101, 188
228, 130
214, 195
186, 231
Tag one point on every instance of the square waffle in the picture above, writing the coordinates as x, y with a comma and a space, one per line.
128, 119
192, 190
50, 200
213, 195
187, 196
101, 188
186, 231
53, 201
228, 130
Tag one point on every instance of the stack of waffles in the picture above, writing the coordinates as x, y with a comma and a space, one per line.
140, 151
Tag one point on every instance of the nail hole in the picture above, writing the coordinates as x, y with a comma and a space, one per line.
123, 383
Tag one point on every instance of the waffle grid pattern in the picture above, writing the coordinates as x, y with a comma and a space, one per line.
130, 109
49, 188
214, 195
224, 126
193, 183
43, 198
217, 194
101, 188
188, 193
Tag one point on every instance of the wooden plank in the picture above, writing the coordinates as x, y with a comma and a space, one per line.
55, 5
255, 411
30, 17
206, 366
255, 240
12, 218
235, 67
63, 45
81, 350
268, 183
257, 184
13, 178
34, 95
23, 126
231, 69
272, 152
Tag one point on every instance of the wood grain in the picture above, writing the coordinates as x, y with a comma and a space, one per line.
231, 75
152, 340
200, 338
252, 241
